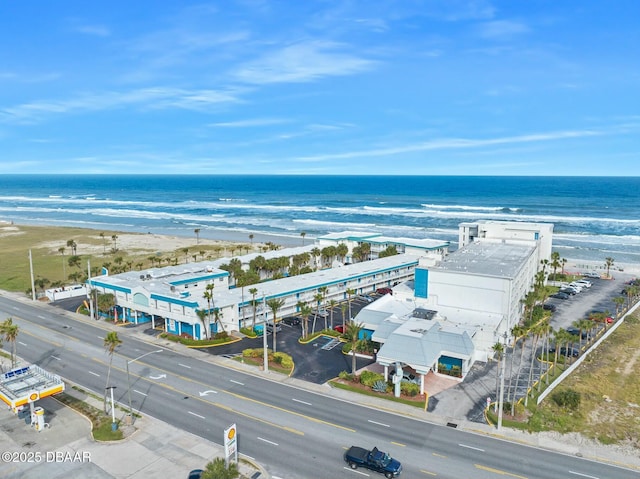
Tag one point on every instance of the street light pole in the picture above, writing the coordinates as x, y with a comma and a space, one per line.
114, 426
265, 354
501, 402
129, 379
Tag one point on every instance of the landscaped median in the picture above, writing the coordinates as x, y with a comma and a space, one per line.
217, 340
279, 361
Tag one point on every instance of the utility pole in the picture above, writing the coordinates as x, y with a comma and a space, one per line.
33, 285
264, 335
501, 401
89, 289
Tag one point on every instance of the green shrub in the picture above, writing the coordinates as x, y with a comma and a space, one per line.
408, 388
283, 360
346, 376
380, 386
368, 378
568, 399
248, 332
253, 353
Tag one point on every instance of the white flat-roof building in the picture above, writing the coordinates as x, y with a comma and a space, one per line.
472, 297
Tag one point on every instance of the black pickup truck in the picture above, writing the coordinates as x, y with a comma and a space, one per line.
375, 460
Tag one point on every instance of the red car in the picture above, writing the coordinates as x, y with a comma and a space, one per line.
384, 291
339, 328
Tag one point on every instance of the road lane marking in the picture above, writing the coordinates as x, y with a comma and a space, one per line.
398, 444
236, 382
428, 472
498, 471
583, 475
196, 415
184, 365
439, 455
379, 423
267, 441
20, 342
56, 358
302, 402
41, 317
471, 447
95, 374
356, 471
139, 392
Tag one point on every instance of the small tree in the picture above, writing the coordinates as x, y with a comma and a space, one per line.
111, 342
274, 305
10, 332
608, 263
353, 335
217, 469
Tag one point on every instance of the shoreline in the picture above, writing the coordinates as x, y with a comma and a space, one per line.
171, 241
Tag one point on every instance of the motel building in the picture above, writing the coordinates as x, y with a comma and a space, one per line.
453, 312
171, 297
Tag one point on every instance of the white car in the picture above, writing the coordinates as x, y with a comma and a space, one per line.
592, 274
583, 283
577, 286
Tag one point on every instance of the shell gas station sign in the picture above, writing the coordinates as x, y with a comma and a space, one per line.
231, 443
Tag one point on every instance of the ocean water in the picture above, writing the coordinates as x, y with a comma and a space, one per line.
594, 218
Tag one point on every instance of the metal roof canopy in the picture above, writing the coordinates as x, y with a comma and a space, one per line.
25, 385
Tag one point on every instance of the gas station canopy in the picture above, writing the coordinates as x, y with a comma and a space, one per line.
26, 385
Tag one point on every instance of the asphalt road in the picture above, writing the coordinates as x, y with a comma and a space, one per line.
293, 432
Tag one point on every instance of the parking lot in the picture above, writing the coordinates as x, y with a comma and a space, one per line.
318, 361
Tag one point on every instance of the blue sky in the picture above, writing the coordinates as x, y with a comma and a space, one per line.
425, 87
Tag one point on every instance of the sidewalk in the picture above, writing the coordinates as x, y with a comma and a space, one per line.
67, 449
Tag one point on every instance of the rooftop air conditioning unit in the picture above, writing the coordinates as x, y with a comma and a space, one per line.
148, 276
142, 277
173, 288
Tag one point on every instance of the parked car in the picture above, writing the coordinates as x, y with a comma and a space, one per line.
549, 307
195, 474
270, 327
583, 283
406, 376
560, 295
569, 290
323, 313
384, 291
365, 298
579, 286
291, 321
564, 351
576, 332
591, 274
339, 328
597, 315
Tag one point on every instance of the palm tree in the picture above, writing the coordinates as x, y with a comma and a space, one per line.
104, 244
498, 351
536, 331
251, 239
608, 264
72, 244
332, 304
10, 332
318, 299
186, 255
350, 292
202, 316
64, 266
305, 311
303, 234
555, 263
323, 291
208, 295
274, 305
197, 232
353, 335
217, 315
114, 238
343, 309
563, 261
111, 342
254, 292
618, 301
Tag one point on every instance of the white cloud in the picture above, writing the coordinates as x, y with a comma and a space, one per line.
147, 98
302, 62
454, 143
95, 30
249, 123
502, 29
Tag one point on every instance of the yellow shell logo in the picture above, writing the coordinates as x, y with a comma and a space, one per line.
33, 396
231, 434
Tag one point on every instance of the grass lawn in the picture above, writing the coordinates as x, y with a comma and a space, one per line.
609, 390
101, 423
